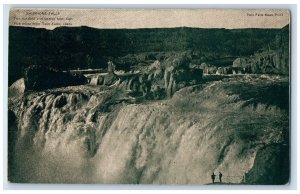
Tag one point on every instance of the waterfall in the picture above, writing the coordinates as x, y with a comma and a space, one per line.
83, 136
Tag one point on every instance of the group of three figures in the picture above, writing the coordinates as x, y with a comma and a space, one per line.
213, 177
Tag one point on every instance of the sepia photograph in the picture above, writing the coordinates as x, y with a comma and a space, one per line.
149, 96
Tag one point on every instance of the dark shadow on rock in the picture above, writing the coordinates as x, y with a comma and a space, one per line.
271, 166
40, 78
12, 138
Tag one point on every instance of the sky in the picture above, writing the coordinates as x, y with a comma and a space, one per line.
150, 18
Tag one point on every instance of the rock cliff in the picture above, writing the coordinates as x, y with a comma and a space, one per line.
82, 47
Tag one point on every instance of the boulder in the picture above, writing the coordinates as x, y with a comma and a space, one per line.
110, 78
97, 80
17, 88
220, 71
156, 69
227, 70
237, 70
239, 62
203, 65
212, 70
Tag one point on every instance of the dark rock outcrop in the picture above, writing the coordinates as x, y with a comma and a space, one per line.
161, 79
173, 73
271, 166
270, 60
17, 88
265, 62
110, 78
40, 78
12, 138
84, 48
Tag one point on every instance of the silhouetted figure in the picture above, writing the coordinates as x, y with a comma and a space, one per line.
213, 176
220, 176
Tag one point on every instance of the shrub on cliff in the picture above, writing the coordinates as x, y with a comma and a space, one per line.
39, 78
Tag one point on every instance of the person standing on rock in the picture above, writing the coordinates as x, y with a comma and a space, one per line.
213, 176
220, 176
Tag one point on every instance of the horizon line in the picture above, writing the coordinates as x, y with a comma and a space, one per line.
142, 28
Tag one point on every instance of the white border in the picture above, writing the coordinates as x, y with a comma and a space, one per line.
3, 101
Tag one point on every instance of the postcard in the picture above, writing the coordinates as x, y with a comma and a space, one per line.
149, 96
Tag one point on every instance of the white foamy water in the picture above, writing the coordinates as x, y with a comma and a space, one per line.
82, 137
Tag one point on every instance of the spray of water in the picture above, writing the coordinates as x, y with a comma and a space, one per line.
83, 137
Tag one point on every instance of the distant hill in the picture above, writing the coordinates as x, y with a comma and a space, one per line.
83, 47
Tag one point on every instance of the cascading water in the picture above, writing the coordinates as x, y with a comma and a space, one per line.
82, 134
